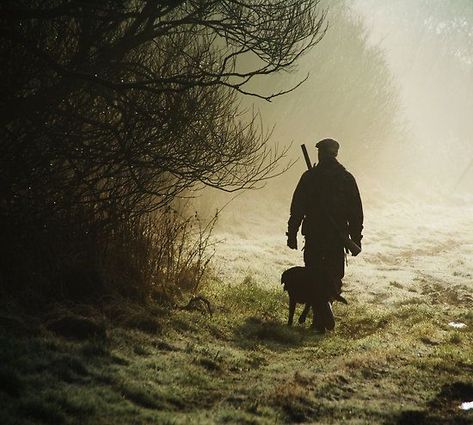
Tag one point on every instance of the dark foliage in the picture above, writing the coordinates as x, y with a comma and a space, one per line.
121, 106
110, 110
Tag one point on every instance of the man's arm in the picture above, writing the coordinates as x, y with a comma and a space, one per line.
355, 212
298, 209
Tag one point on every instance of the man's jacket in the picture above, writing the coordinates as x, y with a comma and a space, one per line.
327, 190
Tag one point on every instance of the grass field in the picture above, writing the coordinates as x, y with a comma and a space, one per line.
392, 359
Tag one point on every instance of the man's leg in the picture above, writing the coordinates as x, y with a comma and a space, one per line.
333, 272
327, 268
313, 263
326, 313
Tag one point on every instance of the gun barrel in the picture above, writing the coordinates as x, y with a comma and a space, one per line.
306, 157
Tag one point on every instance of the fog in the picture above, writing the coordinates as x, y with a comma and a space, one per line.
428, 46
392, 82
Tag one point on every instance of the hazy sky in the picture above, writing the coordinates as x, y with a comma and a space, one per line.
429, 48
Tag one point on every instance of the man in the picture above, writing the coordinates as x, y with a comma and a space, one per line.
328, 204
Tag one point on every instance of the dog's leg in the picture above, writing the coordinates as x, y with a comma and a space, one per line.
304, 314
292, 309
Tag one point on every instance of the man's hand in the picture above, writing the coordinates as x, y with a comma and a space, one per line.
358, 242
291, 240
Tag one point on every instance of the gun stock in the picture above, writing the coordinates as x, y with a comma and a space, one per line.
351, 246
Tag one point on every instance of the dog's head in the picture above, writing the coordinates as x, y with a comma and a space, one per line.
295, 276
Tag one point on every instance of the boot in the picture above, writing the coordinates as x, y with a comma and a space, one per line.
323, 317
329, 319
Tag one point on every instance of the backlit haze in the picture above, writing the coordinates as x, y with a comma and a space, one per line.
392, 81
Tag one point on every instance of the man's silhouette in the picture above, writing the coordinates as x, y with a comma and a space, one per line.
328, 204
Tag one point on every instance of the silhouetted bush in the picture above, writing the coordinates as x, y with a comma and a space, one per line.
157, 256
110, 111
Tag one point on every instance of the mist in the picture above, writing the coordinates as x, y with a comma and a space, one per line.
392, 83
428, 47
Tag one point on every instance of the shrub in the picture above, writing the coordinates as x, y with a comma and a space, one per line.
157, 255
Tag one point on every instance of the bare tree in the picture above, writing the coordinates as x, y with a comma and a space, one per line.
123, 105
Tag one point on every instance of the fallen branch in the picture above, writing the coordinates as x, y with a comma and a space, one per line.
198, 303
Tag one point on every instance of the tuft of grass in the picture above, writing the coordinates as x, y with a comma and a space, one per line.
141, 350
455, 338
143, 395
210, 364
295, 402
69, 369
165, 346
78, 404
143, 317
359, 322
144, 323
395, 284
237, 416
76, 327
270, 331
10, 382
95, 348
249, 296
42, 410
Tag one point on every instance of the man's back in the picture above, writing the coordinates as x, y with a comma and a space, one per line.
328, 201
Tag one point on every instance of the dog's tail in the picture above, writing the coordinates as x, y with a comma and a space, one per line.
338, 297
283, 280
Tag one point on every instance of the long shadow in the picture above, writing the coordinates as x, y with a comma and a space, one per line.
50, 379
443, 409
270, 333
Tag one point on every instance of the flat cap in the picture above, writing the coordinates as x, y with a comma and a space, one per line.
328, 145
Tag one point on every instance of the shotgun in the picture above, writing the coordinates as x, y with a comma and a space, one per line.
306, 157
347, 242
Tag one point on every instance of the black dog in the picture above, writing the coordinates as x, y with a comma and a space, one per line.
300, 285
